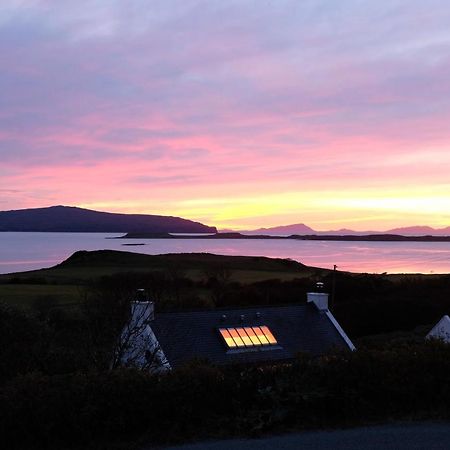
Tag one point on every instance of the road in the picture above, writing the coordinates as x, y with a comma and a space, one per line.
417, 436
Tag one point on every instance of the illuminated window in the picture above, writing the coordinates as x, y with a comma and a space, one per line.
248, 337
236, 338
228, 339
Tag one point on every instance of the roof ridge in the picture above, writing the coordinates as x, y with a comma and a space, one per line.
236, 308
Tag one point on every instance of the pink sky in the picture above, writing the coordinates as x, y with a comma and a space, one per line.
239, 114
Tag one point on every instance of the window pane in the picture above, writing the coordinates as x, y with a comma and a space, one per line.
270, 337
244, 337
252, 336
260, 334
228, 339
234, 334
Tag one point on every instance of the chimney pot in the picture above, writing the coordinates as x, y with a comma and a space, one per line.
141, 295
319, 298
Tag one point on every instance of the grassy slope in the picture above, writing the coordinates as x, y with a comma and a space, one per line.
64, 280
373, 310
24, 295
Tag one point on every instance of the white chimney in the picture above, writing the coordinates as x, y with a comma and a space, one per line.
319, 298
142, 310
138, 345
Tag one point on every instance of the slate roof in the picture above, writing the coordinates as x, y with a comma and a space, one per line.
298, 328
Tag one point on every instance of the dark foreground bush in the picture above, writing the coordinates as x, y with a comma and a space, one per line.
62, 411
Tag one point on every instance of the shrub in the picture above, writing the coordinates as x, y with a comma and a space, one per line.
199, 401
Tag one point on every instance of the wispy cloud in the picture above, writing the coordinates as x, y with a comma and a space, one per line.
194, 99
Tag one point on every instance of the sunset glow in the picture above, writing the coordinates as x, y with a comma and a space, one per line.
239, 114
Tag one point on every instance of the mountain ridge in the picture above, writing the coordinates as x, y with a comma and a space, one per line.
62, 218
301, 229
73, 219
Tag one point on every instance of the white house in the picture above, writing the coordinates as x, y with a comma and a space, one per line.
252, 335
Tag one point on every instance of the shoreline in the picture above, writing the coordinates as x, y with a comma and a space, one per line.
307, 237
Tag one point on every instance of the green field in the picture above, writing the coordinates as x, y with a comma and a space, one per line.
26, 295
365, 304
64, 283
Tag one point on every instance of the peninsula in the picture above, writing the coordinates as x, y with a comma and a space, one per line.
72, 219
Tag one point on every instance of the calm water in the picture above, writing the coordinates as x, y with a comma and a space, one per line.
28, 251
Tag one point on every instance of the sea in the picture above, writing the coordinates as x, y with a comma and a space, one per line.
29, 251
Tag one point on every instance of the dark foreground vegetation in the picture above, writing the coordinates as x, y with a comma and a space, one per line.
121, 408
57, 391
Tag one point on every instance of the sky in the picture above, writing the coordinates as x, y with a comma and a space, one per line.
239, 114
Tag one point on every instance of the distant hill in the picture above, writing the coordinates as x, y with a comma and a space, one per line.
72, 219
421, 231
302, 229
298, 228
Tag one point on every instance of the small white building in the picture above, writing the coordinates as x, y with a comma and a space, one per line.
441, 330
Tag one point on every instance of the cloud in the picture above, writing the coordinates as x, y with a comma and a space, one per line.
161, 179
231, 98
